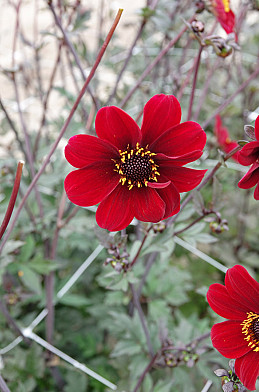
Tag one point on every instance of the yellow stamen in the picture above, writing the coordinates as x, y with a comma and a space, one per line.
250, 329
226, 5
136, 166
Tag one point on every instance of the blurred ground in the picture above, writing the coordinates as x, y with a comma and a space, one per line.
36, 25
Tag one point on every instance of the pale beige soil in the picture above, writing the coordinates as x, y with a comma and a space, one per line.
24, 55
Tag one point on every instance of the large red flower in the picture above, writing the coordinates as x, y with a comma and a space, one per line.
225, 16
135, 172
223, 138
238, 337
249, 155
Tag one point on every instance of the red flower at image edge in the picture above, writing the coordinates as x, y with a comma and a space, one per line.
225, 16
238, 337
223, 138
249, 155
135, 172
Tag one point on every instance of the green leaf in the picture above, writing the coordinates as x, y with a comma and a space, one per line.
30, 279
126, 347
27, 249
163, 386
75, 300
43, 266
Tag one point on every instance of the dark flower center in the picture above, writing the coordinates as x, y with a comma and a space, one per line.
136, 166
250, 327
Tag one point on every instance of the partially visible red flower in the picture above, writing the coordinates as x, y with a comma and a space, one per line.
249, 155
225, 16
224, 139
135, 172
238, 337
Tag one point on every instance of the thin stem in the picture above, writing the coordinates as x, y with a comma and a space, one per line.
193, 223
142, 318
13, 197
153, 64
11, 322
140, 247
138, 35
13, 127
51, 277
197, 64
143, 375
72, 49
45, 101
203, 183
64, 128
3, 386
28, 150
151, 259
232, 97
204, 92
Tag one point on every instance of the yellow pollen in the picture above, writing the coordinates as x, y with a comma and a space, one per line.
226, 5
136, 166
250, 328
228, 140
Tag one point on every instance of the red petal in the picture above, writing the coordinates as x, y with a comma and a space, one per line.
257, 128
251, 178
225, 18
227, 21
82, 150
115, 212
223, 304
181, 160
161, 112
158, 185
117, 127
90, 185
256, 192
247, 369
171, 198
183, 178
220, 132
148, 205
180, 140
228, 339
243, 288
249, 153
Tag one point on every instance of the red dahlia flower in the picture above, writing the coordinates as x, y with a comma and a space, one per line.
223, 138
225, 16
249, 155
135, 172
238, 337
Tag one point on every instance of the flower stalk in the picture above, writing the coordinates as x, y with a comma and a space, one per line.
13, 197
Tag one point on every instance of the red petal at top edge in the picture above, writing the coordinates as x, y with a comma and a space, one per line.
223, 304
243, 288
181, 139
247, 369
161, 112
228, 339
257, 128
82, 150
117, 127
